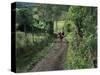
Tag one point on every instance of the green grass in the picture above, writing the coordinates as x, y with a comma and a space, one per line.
39, 56
69, 59
29, 52
75, 58
60, 25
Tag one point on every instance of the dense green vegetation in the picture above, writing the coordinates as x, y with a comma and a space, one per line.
81, 31
35, 32
36, 25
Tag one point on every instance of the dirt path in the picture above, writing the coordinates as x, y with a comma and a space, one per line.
54, 59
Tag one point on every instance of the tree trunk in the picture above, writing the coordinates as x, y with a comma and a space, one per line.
51, 30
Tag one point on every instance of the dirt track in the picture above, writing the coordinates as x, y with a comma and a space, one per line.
54, 59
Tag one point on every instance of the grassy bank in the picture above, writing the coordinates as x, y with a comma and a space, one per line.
30, 49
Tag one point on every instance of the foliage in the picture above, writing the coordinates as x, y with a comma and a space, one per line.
82, 38
27, 49
36, 24
24, 19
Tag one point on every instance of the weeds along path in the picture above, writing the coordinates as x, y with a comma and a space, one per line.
54, 59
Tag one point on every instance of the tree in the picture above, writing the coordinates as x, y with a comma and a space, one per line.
85, 33
24, 19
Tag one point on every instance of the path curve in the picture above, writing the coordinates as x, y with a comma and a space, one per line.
54, 59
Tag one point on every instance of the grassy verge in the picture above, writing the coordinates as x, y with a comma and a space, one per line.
77, 57
31, 52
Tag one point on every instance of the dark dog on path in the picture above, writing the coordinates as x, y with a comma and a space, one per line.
61, 36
